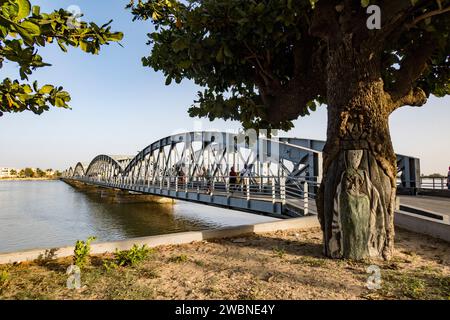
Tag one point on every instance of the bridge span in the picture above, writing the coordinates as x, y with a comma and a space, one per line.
276, 176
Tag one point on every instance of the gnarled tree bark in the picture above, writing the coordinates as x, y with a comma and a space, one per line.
357, 196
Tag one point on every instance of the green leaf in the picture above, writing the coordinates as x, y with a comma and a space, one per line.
116, 36
179, 45
84, 46
185, 64
36, 10
27, 89
46, 89
62, 46
28, 31
24, 9
59, 102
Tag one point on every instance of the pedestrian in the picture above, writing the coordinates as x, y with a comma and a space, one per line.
244, 174
233, 179
207, 176
448, 178
181, 177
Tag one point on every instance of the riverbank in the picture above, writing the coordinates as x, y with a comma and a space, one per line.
276, 265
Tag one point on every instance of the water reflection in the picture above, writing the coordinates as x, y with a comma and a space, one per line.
37, 214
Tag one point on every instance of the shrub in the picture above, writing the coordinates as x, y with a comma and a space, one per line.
131, 257
81, 251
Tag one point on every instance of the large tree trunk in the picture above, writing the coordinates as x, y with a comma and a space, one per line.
357, 196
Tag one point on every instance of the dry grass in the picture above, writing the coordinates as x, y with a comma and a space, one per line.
280, 265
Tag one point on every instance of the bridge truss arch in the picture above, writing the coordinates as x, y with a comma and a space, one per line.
196, 154
79, 170
106, 167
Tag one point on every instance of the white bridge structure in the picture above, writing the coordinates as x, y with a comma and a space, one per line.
275, 176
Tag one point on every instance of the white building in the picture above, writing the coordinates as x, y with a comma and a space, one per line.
5, 172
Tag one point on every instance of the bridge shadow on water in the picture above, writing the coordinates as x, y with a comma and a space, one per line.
129, 216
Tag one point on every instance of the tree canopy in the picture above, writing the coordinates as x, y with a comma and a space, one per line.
264, 62
23, 29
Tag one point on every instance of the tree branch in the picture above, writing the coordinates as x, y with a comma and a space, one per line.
415, 98
412, 67
426, 16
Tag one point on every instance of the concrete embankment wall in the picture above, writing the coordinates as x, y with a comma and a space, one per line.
424, 225
167, 239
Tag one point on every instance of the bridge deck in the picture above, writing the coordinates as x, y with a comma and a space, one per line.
435, 204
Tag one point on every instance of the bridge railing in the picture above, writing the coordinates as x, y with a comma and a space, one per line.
434, 183
295, 192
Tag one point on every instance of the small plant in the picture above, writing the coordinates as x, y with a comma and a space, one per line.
46, 257
179, 259
109, 265
312, 262
279, 252
131, 257
81, 251
200, 263
4, 277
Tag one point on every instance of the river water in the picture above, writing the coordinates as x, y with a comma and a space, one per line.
46, 214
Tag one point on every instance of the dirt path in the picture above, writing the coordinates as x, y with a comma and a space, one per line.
280, 265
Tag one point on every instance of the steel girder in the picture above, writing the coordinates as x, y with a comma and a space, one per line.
192, 153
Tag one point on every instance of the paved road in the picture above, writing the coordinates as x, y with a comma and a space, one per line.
436, 204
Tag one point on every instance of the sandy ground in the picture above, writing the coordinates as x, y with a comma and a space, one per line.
280, 265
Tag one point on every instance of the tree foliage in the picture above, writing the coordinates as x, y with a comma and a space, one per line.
27, 172
23, 29
264, 62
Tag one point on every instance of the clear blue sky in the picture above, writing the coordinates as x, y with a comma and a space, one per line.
119, 107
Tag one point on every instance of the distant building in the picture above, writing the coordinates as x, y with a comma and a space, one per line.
5, 172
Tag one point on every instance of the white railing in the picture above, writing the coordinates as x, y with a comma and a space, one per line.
292, 191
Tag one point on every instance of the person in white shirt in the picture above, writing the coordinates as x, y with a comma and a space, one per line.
244, 174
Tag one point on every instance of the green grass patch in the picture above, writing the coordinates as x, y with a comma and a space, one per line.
421, 284
279, 252
179, 258
311, 261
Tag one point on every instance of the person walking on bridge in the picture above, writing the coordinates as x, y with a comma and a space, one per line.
245, 177
448, 178
233, 179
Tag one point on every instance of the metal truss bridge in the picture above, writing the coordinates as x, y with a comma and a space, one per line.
281, 176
